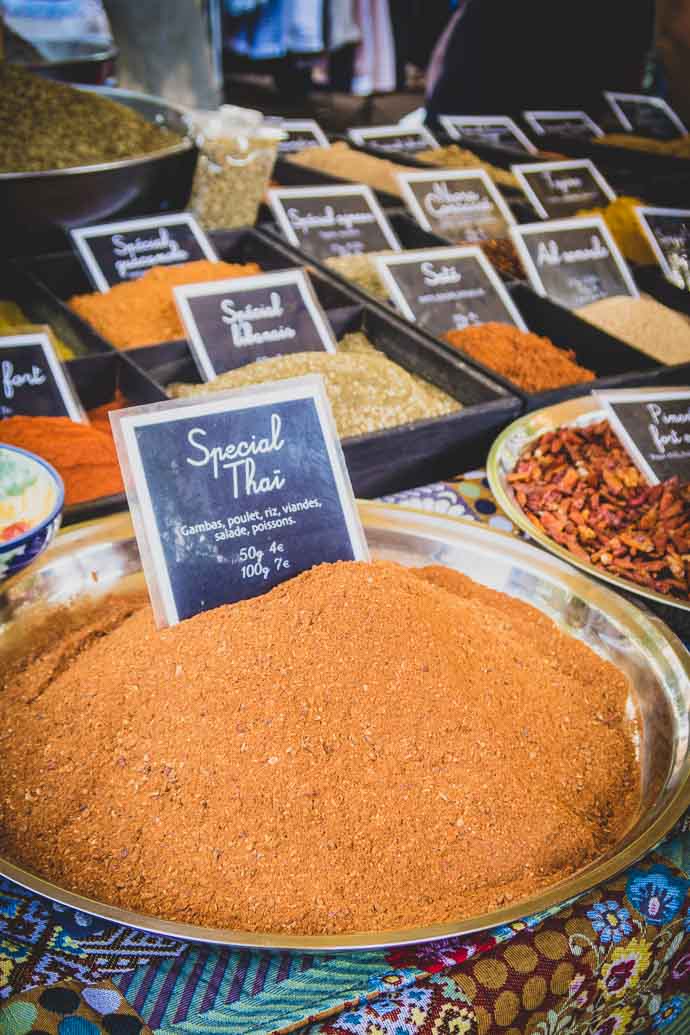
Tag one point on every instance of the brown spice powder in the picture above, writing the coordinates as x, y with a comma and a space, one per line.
365, 747
532, 363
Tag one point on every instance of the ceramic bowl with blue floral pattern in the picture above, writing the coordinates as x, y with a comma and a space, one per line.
31, 501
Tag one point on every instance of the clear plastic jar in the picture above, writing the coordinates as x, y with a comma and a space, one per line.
237, 155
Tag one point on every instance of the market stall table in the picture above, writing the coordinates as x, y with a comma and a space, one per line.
616, 960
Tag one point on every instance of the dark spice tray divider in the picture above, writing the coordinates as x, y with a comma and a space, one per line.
396, 458
616, 364
290, 174
97, 379
651, 280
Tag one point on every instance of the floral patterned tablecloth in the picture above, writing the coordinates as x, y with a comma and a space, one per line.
614, 962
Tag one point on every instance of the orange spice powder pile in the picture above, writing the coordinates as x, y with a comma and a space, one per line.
142, 312
365, 747
532, 363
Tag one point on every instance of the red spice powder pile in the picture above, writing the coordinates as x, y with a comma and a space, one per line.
530, 362
365, 747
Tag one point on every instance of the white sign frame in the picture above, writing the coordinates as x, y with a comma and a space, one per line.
408, 258
234, 285
574, 223
81, 236
68, 393
125, 422
606, 397
423, 175
305, 126
533, 118
614, 96
640, 211
277, 194
361, 134
450, 124
522, 170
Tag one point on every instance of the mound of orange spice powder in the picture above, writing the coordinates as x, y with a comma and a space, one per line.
364, 747
84, 455
532, 363
142, 312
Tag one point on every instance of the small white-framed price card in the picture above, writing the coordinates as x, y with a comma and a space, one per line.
33, 381
230, 323
113, 252
494, 130
646, 115
560, 189
464, 206
327, 221
301, 134
573, 261
446, 289
654, 426
235, 493
668, 233
410, 139
563, 123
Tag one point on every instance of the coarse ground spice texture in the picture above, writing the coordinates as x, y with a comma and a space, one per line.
532, 363
365, 747
143, 312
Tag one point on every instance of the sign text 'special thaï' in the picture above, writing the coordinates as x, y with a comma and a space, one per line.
236, 493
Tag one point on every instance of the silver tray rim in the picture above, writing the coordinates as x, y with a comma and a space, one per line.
113, 93
451, 531
581, 412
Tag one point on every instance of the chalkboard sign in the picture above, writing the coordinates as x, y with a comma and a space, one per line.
495, 130
654, 427
236, 493
462, 206
573, 261
326, 221
647, 116
444, 289
230, 323
560, 189
564, 123
113, 252
301, 134
33, 381
410, 139
668, 233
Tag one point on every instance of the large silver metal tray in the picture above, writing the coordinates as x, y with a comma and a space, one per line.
97, 558
507, 449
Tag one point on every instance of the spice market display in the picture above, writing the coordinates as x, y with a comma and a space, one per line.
384, 771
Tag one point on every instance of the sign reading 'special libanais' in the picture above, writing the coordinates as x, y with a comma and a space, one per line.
236, 493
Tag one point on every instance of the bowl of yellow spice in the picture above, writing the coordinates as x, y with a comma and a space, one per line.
71, 156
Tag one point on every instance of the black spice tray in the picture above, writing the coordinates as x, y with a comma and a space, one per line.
386, 461
518, 203
616, 364
651, 280
413, 454
290, 174
55, 278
